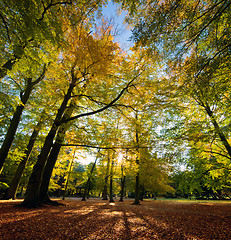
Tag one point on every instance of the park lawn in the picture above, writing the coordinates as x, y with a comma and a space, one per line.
98, 219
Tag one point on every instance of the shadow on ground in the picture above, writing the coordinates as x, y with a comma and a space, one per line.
97, 219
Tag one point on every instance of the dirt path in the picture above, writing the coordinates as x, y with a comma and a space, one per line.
97, 219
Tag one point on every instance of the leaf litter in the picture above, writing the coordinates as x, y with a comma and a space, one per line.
98, 219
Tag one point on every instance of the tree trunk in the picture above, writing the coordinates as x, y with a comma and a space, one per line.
104, 194
123, 180
52, 158
68, 175
111, 183
86, 190
218, 130
137, 188
47, 173
15, 182
106, 179
7, 143
32, 198
111, 190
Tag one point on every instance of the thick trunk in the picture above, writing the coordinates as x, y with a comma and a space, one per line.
48, 172
7, 143
218, 130
104, 194
111, 190
137, 190
32, 198
15, 182
53, 157
123, 180
32, 192
86, 190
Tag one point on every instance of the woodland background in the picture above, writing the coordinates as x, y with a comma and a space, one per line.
155, 118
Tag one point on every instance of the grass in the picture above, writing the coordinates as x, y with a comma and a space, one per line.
186, 200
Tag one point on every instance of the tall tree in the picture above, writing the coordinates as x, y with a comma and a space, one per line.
137, 142
83, 67
105, 186
24, 96
17, 176
87, 185
111, 178
193, 39
53, 155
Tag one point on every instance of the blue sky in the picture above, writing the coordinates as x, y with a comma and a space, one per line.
124, 33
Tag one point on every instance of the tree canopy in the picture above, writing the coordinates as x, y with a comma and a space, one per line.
155, 118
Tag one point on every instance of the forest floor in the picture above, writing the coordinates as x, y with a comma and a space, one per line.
98, 219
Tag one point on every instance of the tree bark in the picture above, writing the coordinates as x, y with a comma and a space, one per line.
111, 190
7, 143
86, 190
52, 158
7, 66
218, 130
24, 95
137, 187
68, 175
111, 183
104, 194
137, 190
15, 182
123, 180
32, 198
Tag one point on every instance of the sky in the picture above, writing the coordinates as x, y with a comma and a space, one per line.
124, 34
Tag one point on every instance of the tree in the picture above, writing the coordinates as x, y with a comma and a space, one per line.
24, 96
105, 186
87, 185
193, 40
81, 72
53, 155
30, 28
15, 182
123, 177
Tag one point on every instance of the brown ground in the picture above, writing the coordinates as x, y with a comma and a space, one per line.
97, 219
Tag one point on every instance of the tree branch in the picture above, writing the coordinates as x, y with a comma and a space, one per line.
7, 28
103, 108
51, 5
42, 75
217, 153
102, 147
211, 59
203, 14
